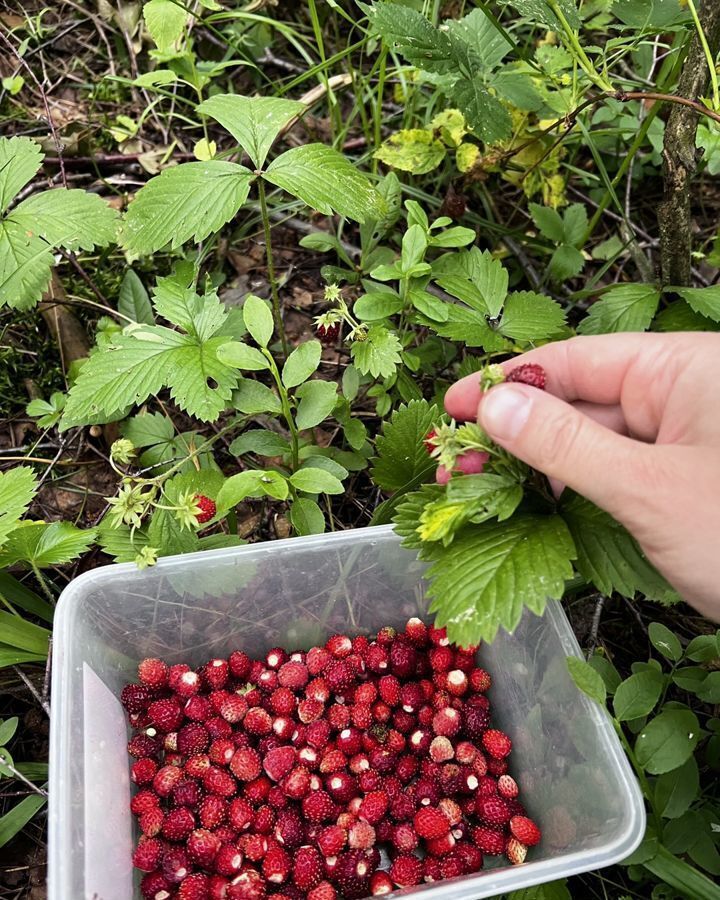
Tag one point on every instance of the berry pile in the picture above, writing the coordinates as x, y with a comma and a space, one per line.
351, 770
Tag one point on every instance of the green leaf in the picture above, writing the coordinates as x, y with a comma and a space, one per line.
477, 279
258, 319
199, 382
709, 689
548, 222
326, 463
167, 535
402, 462
379, 354
412, 35
676, 790
607, 671
261, 442
254, 122
587, 679
45, 545
453, 237
251, 483
566, 262
327, 181
429, 306
133, 301
17, 489
302, 363
377, 305
485, 115
7, 730
704, 648
317, 400
629, 307
531, 317
147, 429
20, 596
74, 219
20, 158
307, 517
469, 498
165, 21
678, 316
122, 542
252, 397
18, 817
575, 222
607, 554
539, 11
20, 634
705, 301
25, 263
316, 481
405, 510
476, 30
665, 642
490, 572
192, 200
554, 890
414, 150
241, 356
638, 695
667, 741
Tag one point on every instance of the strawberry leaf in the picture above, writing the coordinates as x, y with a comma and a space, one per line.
17, 488
402, 462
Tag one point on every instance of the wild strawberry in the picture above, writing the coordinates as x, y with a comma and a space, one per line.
186, 793
318, 807
403, 659
136, 697
404, 839
254, 846
147, 854
307, 868
507, 788
239, 813
480, 681
428, 440
246, 764
175, 864
525, 830
374, 806
155, 886
276, 865
322, 891
268, 681
416, 631
258, 789
349, 741
233, 708
456, 682
427, 792
153, 672
165, 779
339, 676
278, 762
497, 767
317, 659
197, 766
441, 750
492, 810
142, 746
341, 786
239, 665
332, 761
516, 851
247, 885
475, 722
257, 722
376, 659
309, 711
380, 884
361, 836
192, 738
406, 871
178, 824
339, 646
296, 785
143, 770
419, 741
331, 840
438, 636
431, 823
528, 373
470, 856
166, 715
353, 871
441, 659
207, 508
447, 722
431, 869
317, 735
264, 820
212, 811
497, 744
144, 801
194, 887
217, 781
451, 866
289, 829
293, 675
440, 846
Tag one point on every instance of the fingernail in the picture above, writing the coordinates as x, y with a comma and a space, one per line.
504, 412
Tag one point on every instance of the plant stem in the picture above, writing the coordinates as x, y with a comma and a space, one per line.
576, 47
286, 409
709, 55
277, 313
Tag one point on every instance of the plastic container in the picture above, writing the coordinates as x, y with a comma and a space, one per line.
573, 775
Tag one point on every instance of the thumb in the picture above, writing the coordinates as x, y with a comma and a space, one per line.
551, 435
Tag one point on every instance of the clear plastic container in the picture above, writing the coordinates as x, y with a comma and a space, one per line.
573, 775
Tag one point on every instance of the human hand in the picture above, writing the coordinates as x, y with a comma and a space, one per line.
632, 422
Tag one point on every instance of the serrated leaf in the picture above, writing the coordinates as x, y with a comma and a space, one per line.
539, 11
241, 356
412, 35
469, 498
191, 200
379, 354
402, 461
477, 279
566, 262
165, 21
607, 554
122, 543
302, 363
587, 679
414, 150
307, 517
705, 301
148, 429
531, 317
74, 219
25, 263
667, 741
486, 41
490, 572
485, 115
20, 158
258, 319
317, 400
254, 122
629, 307
17, 489
405, 511
133, 300
199, 382
637, 695
679, 316
316, 481
36, 543
575, 222
548, 221
167, 535
261, 442
327, 181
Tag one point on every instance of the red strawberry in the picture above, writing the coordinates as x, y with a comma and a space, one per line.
296, 785
475, 721
431, 823
528, 373
492, 810
441, 749
239, 664
254, 846
341, 786
278, 762
525, 830
187, 793
289, 829
318, 807
428, 440
248, 885
147, 854
143, 771
406, 871
339, 675
277, 865
239, 813
246, 764
153, 672
331, 840
257, 722
380, 884
166, 715
480, 681
516, 851
178, 824
207, 508
447, 722
361, 836
322, 891
317, 659
257, 790
155, 886
142, 745
339, 646
328, 334
374, 806
175, 864
135, 697
195, 887
416, 630
507, 787
404, 838
497, 743
376, 658
217, 781
192, 739
451, 866
293, 675
353, 872
144, 801
456, 682
307, 868
403, 659
165, 780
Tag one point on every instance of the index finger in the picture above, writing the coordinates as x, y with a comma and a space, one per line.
591, 368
